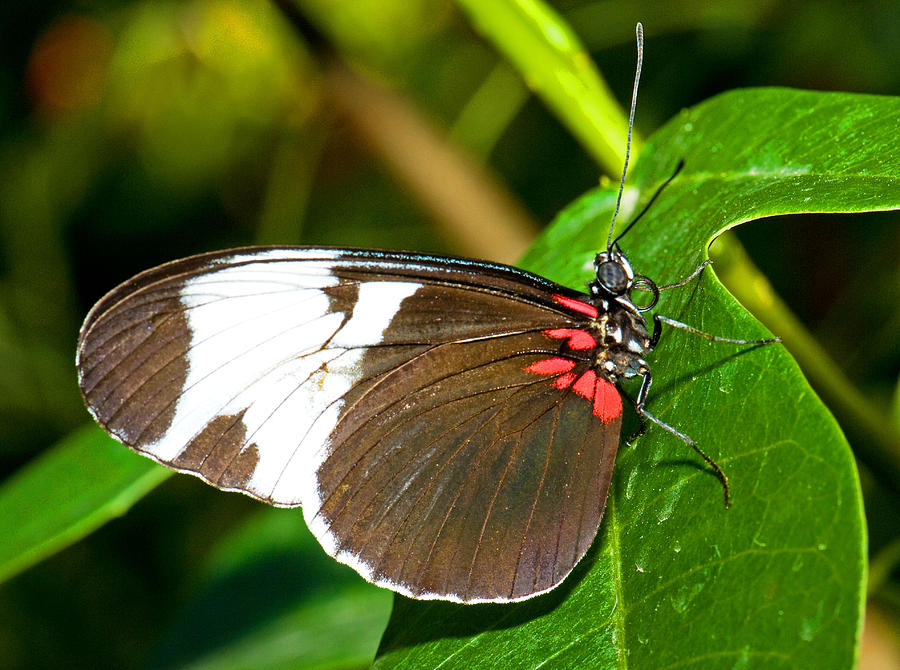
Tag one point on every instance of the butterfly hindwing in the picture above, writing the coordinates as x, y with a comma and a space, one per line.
496, 497
405, 401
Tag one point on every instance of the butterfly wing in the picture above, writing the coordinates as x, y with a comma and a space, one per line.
411, 404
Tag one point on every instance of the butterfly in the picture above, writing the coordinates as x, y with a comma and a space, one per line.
448, 426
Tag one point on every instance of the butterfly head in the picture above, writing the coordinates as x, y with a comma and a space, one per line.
615, 279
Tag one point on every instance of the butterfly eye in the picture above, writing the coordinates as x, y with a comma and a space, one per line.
612, 277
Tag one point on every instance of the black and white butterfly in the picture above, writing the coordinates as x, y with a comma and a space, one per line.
448, 426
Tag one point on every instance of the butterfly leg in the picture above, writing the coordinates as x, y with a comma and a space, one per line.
642, 428
639, 406
665, 287
691, 277
713, 338
642, 423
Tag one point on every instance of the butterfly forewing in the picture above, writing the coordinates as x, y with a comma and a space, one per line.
400, 399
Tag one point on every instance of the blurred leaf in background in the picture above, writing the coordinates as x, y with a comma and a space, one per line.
137, 132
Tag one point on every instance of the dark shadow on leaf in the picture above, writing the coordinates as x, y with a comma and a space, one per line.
234, 605
414, 622
688, 376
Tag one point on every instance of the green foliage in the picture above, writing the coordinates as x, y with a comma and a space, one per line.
70, 491
555, 66
212, 131
293, 606
675, 579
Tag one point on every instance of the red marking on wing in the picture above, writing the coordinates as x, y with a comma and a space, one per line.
604, 396
550, 366
607, 401
564, 381
577, 305
585, 385
578, 339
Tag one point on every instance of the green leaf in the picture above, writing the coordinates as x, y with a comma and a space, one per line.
555, 65
68, 492
289, 604
674, 579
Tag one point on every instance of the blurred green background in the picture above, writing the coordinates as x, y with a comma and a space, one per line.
132, 133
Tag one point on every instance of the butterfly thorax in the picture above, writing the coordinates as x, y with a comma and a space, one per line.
620, 326
622, 336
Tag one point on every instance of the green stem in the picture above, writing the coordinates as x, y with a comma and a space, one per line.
555, 65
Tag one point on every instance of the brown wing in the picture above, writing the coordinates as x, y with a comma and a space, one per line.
389, 394
461, 476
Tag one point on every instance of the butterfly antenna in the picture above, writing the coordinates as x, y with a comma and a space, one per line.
639, 32
651, 201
